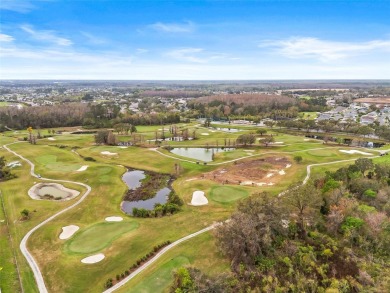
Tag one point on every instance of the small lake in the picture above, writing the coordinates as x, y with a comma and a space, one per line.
227, 129
133, 180
201, 154
53, 191
161, 197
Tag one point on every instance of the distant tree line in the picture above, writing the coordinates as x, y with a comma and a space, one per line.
78, 114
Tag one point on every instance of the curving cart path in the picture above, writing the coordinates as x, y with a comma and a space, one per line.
34, 266
23, 244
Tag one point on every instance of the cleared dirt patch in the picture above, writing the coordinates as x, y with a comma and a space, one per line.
251, 172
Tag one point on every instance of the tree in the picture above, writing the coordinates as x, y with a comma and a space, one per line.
25, 214
267, 140
364, 164
261, 131
304, 201
111, 138
298, 159
246, 139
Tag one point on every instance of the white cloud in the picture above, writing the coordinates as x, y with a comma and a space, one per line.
324, 50
194, 55
186, 27
142, 51
6, 38
21, 6
45, 35
93, 39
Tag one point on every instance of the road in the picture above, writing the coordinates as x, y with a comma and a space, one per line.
34, 266
23, 244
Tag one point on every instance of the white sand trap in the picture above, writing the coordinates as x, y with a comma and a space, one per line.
204, 133
82, 168
278, 142
269, 175
271, 183
191, 179
114, 219
93, 258
288, 166
123, 147
14, 164
108, 153
198, 198
249, 150
261, 183
68, 231
281, 172
351, 152
51, 138
247, 183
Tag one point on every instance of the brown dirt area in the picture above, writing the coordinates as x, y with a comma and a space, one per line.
257, 172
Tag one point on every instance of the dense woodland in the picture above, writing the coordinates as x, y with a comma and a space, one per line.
331, 235
76, 114
253, 106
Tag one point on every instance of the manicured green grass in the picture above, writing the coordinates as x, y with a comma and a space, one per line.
161, 278
200, 252
98, 236
227, 193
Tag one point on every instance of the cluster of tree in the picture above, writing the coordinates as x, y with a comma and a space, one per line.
5, 172
172, 206
171, 93
69, 114
76, 114
124, 128
250, 139
256, 106
330, 234
106, 137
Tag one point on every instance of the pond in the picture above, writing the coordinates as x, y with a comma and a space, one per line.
201, 154
227, 129
133, 179
52, 191
161, 198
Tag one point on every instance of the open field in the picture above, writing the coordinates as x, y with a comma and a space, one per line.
124, 242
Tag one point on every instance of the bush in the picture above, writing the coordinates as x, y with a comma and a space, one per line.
370, 193
352, 223
90, 159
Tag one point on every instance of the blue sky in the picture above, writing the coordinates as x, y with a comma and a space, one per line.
201, 40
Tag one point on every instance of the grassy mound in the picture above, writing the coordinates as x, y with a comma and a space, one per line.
227, 193
98, 236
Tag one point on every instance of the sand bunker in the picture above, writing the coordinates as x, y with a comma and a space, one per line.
52, 191
107, 153
269, 175
278, 142
282, 172
351, 152
51, 138
68, 231
93, 258
198, 198
114, 219
82, 168
204, 133
14, 164
288, 166
123, 147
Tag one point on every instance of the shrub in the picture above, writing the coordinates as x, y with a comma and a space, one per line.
370, 193
90, 159
352, 223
